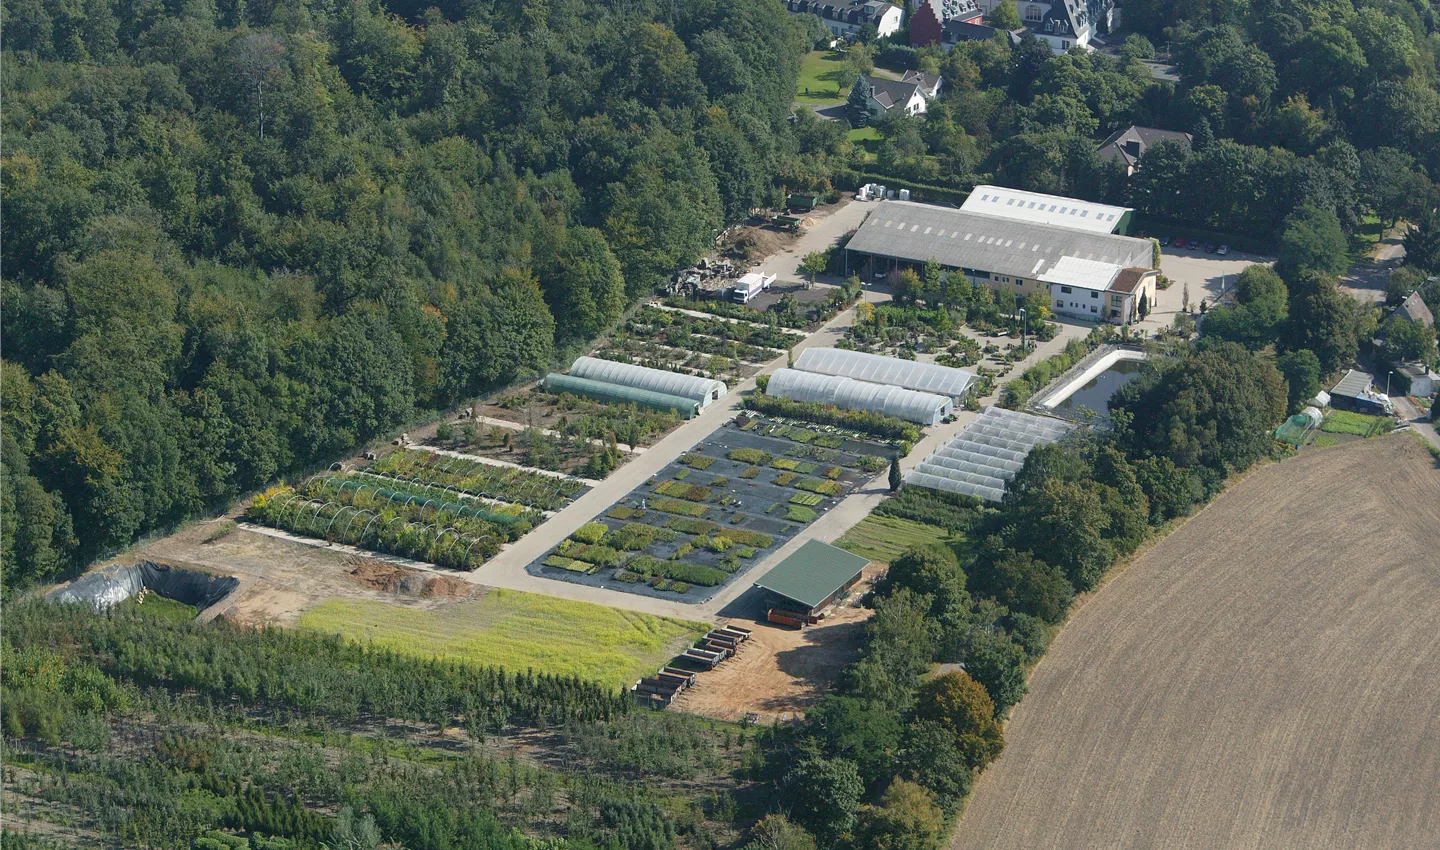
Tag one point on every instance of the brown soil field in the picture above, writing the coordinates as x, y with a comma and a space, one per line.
1266, 677
780, 671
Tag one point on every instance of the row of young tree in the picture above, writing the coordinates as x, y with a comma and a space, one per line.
172, 734
243, 238
888, 759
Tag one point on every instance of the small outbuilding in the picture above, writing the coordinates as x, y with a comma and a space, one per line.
813, 577
1356, 392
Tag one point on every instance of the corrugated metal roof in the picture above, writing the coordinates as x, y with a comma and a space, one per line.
812, 573
619, 393
918, 233
1086, 274
1353, 384
1034, 207
875, 369
703, 390
850, 394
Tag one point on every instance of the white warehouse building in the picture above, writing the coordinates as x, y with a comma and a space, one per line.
850, 394
875, 369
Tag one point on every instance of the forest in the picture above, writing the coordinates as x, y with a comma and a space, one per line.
243, 239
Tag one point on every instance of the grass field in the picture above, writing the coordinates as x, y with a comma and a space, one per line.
517, 631
818, 84
1263, 677
1345, 422
883, 538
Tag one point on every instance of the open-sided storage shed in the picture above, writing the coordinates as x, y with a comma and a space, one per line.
875, 369
620, 394
850, 394
701, 390
813, 576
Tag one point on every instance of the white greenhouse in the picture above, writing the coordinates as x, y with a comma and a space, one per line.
984, 457
702, 390
850, 394
875, 369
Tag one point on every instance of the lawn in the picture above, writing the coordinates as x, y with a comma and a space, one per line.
818, 84
883, 538
1345, 422
517, 631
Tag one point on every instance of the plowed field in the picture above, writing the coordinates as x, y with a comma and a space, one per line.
1266, 677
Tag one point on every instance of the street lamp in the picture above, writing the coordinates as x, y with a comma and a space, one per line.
1022, 329
1387, 382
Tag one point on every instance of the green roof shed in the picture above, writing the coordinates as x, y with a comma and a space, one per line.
814, 575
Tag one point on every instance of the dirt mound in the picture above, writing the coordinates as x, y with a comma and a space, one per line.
393, 578
761, 242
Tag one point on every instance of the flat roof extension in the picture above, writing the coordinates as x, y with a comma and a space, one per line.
1044, 209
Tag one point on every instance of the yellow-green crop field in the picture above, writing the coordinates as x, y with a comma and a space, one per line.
883, 538
515, 630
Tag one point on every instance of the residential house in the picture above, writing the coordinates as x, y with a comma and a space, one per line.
955, 32
1129, 144
882, 96
1063, 24
846, 19
928, 19
1414, 309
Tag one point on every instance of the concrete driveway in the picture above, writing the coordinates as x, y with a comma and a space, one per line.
1209, 276
825, 234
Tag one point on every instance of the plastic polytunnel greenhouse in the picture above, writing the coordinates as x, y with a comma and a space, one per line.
618, 394
701, 390
982, 459
875, 369
850, 394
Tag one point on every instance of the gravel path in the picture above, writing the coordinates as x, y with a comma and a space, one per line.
1266, 677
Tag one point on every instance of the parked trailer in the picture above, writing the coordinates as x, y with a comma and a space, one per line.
681, 682
740, 637
785, 618
802, 202
725, 651
645, 687
688, 675
702, 656
738, 630
726, 640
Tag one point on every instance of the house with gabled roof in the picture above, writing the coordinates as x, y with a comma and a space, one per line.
1129, 144
882, 96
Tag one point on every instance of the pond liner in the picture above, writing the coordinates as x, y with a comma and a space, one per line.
109, 586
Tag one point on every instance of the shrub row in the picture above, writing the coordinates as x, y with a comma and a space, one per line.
877, 424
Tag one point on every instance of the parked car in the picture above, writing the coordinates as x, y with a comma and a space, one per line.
1164, 240
1209, 247
1223, 250
1180, 242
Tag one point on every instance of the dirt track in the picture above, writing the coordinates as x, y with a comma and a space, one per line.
1266, 677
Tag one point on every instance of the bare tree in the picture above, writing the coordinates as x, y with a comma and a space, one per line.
256, 57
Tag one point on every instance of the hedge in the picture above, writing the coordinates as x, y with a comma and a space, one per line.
877, 424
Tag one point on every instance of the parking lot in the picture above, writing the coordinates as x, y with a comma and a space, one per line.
1208, 275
